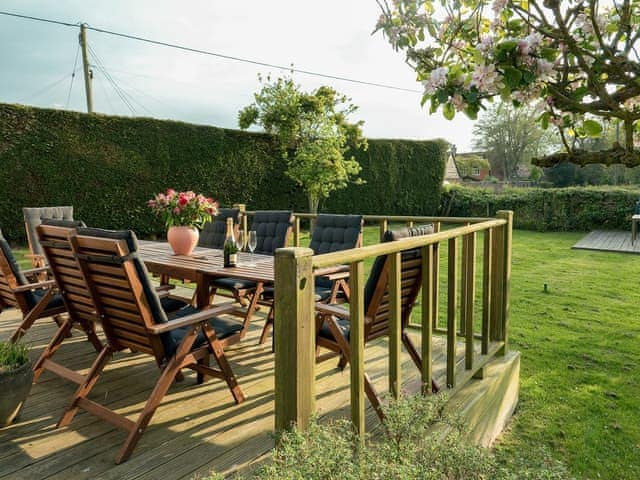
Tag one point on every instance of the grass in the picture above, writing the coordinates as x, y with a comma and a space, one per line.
580, 346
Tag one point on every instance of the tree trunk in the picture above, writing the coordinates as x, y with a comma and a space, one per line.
313, 208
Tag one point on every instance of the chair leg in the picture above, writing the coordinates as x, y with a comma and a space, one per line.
417, 359
159, 391
83, 390
218, 353
31, 317
56, 341
268, 325
203, 361
89, 329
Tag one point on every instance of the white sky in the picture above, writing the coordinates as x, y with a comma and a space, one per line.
331, 37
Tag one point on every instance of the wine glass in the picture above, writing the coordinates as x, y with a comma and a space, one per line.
252, 243
240, 240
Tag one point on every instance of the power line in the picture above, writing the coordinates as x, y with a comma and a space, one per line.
215, 54
73, 75
116, 87
46, 88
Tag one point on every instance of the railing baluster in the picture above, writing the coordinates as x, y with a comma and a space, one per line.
497, 247
395, 324
295, 337
427, 320
486, 289
384, 226
452, 283
296, 231
356, 341
469, 295
436, 278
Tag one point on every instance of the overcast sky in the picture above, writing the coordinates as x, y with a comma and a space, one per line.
331, 37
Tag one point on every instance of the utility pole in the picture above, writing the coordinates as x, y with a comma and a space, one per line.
88, 73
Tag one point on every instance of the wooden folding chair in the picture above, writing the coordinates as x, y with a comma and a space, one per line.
33, 216
35, 299
132, 317
333, 321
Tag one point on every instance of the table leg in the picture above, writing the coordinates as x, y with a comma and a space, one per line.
202, 291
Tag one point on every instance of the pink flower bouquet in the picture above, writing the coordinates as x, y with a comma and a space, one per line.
183, 209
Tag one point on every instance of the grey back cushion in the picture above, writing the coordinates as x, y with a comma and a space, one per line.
378, 264
271, 228
335, 232
158, 313
33, 217
214, 232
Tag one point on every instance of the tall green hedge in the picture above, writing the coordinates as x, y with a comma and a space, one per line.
549, 209
108, 167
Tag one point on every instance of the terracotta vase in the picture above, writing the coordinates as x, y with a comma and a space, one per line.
183, 239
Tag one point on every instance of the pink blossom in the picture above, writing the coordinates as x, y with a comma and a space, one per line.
176, 210
437, 79
498, 6
458, 102
544, 69
485, 78
486, 42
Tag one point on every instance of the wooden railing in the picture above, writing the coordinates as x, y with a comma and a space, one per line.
295, 319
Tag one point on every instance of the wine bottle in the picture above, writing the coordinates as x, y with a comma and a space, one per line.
230, 249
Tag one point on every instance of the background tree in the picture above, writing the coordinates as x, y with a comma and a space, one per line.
576, 58
313, 132
510, 137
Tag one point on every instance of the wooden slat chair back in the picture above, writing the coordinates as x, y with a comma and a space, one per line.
53, 237
273, 229
35, 299
132, 317
214, 232
333, 321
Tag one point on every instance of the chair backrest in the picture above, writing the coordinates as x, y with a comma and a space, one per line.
376, 289
53, 236
122, 293
33, 217
10, 277
273, 228
214, 232
332, 233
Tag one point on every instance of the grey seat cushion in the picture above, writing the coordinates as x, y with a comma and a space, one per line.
33, 217
213, 233
271, 227
223, 327
333, 233
63, 223
55, 302
325, 331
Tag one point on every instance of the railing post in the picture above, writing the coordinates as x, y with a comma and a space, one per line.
452, 295
395, 324
507, 233
384, 226
294, 338
468, 294
486, 289
243, 209
427, 320
436, 278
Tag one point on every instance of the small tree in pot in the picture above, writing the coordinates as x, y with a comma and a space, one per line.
16, 377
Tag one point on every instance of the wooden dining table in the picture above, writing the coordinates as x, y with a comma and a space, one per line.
204, 265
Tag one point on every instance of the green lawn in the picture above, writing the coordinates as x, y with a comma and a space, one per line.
580, 346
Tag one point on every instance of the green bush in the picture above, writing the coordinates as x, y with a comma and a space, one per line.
108, 167
418, 441
12, 356
576, 209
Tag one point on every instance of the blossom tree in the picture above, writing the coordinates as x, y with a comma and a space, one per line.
575, 60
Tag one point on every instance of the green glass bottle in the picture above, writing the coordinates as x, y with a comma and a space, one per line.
230, 249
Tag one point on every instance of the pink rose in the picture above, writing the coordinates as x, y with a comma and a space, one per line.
176, 210
182, 200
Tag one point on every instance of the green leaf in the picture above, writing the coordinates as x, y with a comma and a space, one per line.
448, 111
512, 77
544, 120
592, 128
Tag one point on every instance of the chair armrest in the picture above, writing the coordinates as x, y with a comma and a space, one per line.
35, 286
335, 310
192, 319
33, 271
340, 271
164, 290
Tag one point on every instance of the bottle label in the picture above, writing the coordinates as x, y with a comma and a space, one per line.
233, 259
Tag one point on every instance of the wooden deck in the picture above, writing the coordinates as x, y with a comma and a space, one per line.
197, 428
609, 241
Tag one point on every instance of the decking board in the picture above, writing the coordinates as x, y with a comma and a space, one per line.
196, 429
609, 241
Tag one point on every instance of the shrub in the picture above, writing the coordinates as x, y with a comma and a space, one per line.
418, 441
12, 356
575, 209
108, 167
